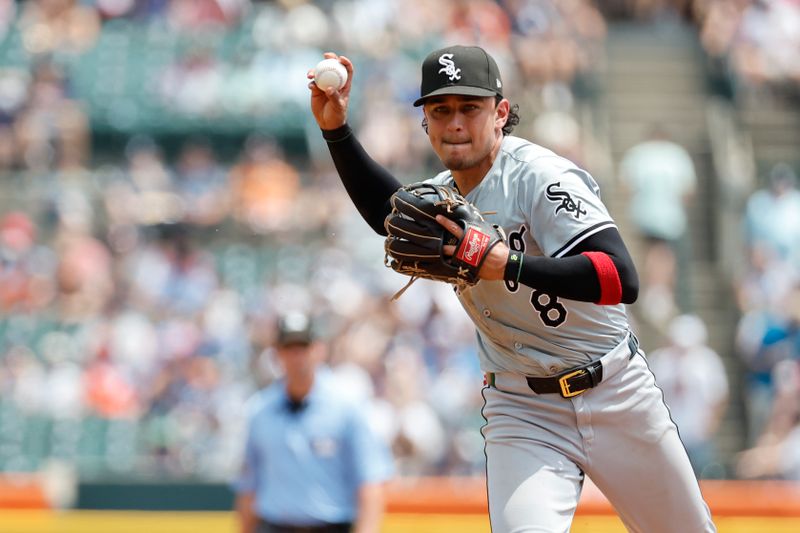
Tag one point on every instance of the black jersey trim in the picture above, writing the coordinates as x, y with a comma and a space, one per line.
591, 230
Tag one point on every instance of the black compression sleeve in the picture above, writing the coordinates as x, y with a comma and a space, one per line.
369, 185
574, 277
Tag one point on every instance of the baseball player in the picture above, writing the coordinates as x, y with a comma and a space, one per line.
568, 392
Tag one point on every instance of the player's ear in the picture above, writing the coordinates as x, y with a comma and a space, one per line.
424, 124
501, 112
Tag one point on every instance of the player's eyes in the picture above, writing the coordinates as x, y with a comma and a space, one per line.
442, 111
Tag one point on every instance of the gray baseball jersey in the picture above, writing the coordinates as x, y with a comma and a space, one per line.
540, 446
546, 205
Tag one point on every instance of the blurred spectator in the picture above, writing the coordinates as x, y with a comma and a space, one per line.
769, 32
769, 297
380, 133
660, 176
109, 393
479, 20
143, 192
191, 85
195, 14
50, 26
8, 13
560, 132
14, 86
767, 278
84, 275
765, 338
772, 216
719, 23
420, 438
757, 38
182, 15
776, 455
647, 11
695, 386
52, 129
172, 277
264, 186
556, 40
26, 267
84, 278
201, 184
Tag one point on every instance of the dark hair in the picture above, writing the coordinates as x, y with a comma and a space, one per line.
513, 117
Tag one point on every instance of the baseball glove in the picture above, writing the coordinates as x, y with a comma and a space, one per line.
415, 242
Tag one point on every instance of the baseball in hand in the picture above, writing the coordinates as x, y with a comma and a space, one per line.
330, 73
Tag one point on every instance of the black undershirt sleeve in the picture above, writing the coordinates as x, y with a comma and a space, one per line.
369, 185
574, 276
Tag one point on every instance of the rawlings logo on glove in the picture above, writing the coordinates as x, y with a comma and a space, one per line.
473, 247
415, 242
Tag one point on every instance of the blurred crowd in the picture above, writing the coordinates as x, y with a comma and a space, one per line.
757, 40
139, 288
139, 306
768, 337
753, 42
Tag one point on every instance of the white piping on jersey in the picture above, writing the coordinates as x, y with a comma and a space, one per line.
580, 237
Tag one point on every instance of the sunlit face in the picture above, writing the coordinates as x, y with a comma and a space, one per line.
463, 130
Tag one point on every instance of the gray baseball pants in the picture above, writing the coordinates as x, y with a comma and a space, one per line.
539, 447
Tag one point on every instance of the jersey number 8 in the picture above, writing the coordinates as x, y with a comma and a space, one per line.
551, 311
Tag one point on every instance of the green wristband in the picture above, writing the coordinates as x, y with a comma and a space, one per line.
513, 266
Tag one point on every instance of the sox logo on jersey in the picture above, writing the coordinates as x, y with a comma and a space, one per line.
565, 201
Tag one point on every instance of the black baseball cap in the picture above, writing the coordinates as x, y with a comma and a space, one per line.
466, 70
294, 328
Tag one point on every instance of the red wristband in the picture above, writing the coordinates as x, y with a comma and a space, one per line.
610, 284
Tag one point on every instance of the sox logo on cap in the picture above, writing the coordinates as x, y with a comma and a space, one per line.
446, 60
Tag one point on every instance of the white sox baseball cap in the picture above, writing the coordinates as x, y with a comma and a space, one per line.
466, 70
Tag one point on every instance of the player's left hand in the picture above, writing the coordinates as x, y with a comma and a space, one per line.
417, 244
494, 266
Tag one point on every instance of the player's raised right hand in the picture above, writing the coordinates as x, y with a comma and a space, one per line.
330, 107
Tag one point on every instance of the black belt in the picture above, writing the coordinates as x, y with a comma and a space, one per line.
576, 380
269, 527
570, 383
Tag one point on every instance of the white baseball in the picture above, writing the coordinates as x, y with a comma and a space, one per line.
330, 73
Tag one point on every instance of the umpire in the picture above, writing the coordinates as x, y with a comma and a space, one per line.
312, 464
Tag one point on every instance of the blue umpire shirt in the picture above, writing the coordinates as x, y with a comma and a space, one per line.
306, 466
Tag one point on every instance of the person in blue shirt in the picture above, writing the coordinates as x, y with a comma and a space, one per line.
311, 463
